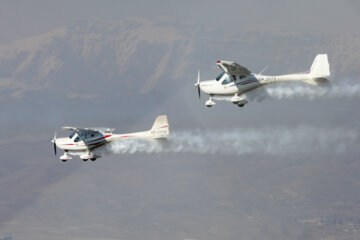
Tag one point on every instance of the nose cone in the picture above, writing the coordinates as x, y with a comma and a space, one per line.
206, 86
63, 142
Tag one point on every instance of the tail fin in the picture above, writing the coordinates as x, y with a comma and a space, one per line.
320, 67
160, 128
320, 70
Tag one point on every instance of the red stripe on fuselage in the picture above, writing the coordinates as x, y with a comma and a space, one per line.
126, 136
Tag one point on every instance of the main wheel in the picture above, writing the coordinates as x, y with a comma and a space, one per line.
92, 159
85, 159
63, 160
241, 105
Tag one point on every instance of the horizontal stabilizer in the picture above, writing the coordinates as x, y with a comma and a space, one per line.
317, 81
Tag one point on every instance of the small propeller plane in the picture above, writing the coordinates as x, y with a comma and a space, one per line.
236, 80
86, 141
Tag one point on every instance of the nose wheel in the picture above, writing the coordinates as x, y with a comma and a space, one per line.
210, 102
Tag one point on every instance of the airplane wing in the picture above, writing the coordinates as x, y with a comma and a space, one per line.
233, 68
89, 130
70, 128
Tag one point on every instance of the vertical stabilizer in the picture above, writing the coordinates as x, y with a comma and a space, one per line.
319, 71
160, 128
320, 67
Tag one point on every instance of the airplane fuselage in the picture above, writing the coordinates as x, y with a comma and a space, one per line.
236, 80
89, 142
76, 144
242, 85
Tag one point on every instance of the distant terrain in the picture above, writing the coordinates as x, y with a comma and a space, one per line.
122, 73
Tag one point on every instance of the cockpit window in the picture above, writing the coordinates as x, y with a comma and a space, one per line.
220, 76
77, 139
226, 80
71, 135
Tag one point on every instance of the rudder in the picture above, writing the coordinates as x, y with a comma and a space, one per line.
160, 128
320, 67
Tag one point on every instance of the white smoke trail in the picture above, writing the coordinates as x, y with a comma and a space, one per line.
266, 141
335, 90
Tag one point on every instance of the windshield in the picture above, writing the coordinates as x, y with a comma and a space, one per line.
226, 80
220, 76
71, 135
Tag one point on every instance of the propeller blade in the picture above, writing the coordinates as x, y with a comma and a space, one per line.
198, 84
55, 148
54, 141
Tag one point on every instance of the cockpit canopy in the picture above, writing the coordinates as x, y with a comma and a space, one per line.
85, 135
224, 78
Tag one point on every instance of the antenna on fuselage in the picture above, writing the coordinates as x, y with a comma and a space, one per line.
264, 70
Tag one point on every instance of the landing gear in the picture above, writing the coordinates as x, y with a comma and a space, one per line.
236, 99
88, 156
65, 157
210, 102
242, 103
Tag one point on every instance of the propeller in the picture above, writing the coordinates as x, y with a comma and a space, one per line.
197, 84
54, 141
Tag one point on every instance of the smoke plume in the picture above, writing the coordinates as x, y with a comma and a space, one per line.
335, 90
241, 141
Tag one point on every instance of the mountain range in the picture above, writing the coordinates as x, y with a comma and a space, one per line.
131, 56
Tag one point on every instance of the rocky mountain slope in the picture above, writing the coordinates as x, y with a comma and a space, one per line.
131, 56
117, 57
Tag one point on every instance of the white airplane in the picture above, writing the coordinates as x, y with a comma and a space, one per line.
236, 80
87, 141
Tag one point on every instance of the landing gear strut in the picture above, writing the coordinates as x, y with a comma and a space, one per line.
210, 102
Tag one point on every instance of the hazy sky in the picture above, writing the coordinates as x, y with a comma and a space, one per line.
265, 168
21, 18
